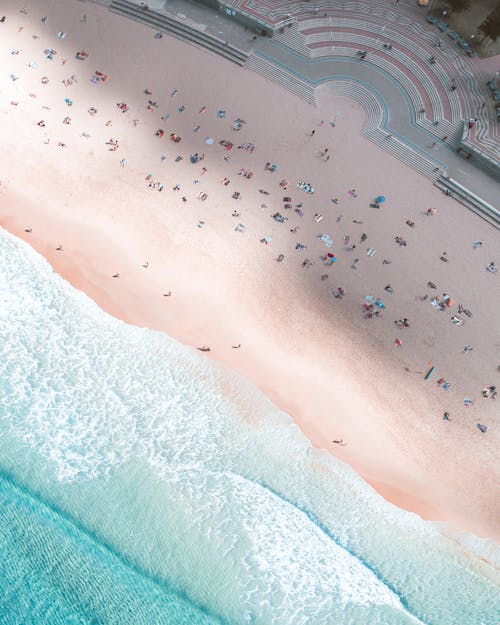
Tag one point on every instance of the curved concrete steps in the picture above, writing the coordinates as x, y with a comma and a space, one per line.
413, 42
286, 79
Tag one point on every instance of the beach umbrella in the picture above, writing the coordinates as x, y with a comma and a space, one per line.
380, 199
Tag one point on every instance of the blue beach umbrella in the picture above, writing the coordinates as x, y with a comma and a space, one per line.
380, 199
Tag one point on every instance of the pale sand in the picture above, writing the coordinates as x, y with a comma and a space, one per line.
338, 375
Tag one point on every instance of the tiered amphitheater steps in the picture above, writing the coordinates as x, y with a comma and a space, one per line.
409, 67
340, 33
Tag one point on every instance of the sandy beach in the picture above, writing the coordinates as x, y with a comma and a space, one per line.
205, 271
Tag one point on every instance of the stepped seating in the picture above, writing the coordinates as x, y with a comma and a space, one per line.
469, 199
428, 86
445, 103
162, 22
419, 98
424, 87
402, 25
413, 53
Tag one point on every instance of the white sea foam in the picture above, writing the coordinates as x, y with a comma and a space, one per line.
241, 513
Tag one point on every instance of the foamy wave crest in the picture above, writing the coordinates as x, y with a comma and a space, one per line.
201, 481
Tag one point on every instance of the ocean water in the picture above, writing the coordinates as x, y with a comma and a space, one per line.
141, 484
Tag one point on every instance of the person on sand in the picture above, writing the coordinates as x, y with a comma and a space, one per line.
204, 348
340, 442
236, 346
402, 323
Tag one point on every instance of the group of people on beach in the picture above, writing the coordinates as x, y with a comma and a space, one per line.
289, 206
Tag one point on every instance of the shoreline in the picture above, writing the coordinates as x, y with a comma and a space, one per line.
338, 375
119, 302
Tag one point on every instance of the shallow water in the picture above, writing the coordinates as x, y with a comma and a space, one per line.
141, 483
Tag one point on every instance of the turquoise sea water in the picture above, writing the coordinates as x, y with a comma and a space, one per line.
142, 484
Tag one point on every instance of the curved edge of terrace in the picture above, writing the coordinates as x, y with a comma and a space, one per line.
372, 101
311, 61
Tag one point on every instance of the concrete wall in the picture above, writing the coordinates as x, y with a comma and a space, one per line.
243, 18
